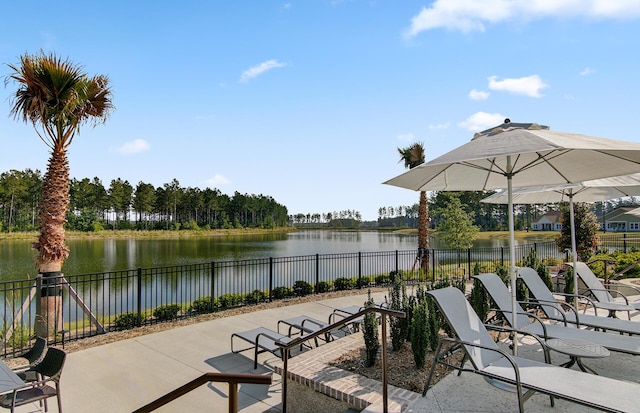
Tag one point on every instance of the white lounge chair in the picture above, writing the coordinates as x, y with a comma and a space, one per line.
603, 297
528, 376
502, 298
554, 310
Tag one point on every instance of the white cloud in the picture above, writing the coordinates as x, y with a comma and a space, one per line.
407, 137
478, 95
587, 71
481, 121
260, 69
440, 126
529, 85
137, 146
217, 180
473, 15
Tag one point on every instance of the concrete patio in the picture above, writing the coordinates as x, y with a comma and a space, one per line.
126, 375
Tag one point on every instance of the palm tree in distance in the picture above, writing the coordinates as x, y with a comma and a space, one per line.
57, 97
413, 156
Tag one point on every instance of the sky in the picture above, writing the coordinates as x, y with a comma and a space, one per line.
308, 101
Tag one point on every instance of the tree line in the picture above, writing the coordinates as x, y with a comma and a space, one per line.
92, 206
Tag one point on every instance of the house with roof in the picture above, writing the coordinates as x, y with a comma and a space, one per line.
548, 222
622, 219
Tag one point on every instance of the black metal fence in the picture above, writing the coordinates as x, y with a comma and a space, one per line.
78, 306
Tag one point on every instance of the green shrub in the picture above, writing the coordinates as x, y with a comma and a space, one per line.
370, 331
230, 300
342, 284
282, 292
302, 288
400, 327
433, 323
419, 336
479, 300
166, 312
323, 287
364, 281
256, 297
203, 305
127, 321
383, 279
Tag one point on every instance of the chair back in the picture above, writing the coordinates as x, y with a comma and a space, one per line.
36, 352
502, 298
541, 292
52, 363
466, 324
591, 281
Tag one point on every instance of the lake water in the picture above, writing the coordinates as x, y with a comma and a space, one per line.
98, 255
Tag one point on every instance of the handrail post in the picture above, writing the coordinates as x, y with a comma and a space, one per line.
285, 368
233, 397
385, 396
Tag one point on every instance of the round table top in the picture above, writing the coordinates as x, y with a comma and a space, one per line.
577, 348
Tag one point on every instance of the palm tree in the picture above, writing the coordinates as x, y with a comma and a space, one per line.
413, 156
57, 98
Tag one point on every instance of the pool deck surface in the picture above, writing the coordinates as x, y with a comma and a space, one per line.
126, 375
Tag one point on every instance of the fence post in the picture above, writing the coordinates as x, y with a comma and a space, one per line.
469, 261
433, 266
397, 268
139, 296
213, 277
317, 272
502, 256
270, 277
624, 242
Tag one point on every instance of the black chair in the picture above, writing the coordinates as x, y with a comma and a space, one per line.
33, 355
48, 371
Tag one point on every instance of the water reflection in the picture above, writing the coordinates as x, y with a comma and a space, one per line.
98, 255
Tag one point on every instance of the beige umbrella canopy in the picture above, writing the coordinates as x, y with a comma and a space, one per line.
521, 154
587, 191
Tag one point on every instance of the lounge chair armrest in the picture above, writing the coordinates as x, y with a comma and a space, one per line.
523, 332
539, 303
580, 297
535, 317
617, 293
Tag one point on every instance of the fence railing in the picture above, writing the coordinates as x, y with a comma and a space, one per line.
84, 305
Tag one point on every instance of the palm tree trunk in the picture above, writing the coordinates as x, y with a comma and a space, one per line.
423, 232
51, 247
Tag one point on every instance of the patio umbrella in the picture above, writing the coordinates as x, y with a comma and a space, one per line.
517, 154
587, 191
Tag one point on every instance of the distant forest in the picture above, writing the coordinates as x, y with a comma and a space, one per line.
94, 207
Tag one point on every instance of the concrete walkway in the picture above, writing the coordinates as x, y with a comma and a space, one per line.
126, 375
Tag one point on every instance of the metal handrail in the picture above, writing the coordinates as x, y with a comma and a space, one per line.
286, 347
232, 378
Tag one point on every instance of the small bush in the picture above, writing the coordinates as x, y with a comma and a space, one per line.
323, 287
383, 279
342, 284
230, 300
127, 321
364, 281
256, 297
203, 305
302, 288
370, 331
282, 292
419, 335
166, 312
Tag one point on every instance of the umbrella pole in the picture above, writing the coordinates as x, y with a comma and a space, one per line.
512, 257
574, 253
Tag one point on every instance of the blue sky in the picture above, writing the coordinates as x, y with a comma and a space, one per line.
308, 101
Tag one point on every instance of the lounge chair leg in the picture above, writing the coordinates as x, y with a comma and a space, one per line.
432, 370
